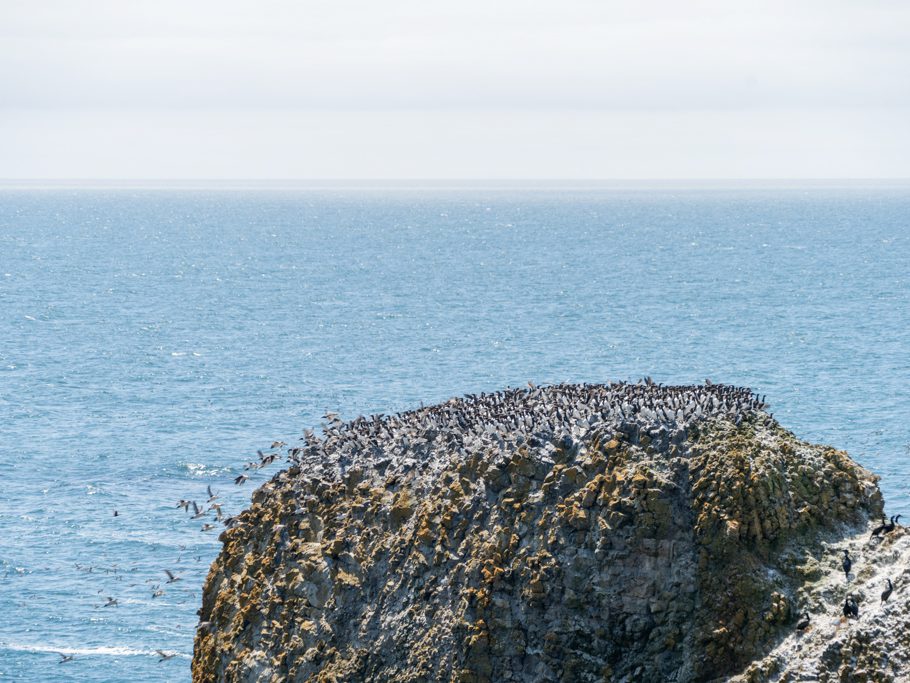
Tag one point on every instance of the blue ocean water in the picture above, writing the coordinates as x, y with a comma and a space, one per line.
152, 340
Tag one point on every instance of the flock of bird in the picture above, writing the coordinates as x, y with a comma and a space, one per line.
851, 607
504, 420
111, 601
210, 506
156, 589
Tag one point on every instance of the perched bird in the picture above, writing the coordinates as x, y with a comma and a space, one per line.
171, 577
887, 592
165, 656
803, 623
64, 658
847, 564
851, 609
881, 527
890, 526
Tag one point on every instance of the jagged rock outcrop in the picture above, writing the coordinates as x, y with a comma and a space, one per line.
624, 532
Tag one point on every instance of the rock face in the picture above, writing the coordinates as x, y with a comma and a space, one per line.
875, 646
624, 532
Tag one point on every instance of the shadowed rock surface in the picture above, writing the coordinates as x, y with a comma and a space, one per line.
623, 532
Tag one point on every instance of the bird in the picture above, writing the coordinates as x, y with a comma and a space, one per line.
278, 444
185, 504
847, 564
881, 527
212, 496
208, 527
111, 602
887, 592
889, 527
165, 655
851, 609
116, 514
199, 511
171, 577
64, 658
803, 623
239, 480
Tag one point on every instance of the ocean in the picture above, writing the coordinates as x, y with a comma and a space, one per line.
152, 339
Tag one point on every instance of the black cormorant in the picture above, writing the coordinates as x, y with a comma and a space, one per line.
851, 609
881, 527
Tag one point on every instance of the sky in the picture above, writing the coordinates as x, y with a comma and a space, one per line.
473, 89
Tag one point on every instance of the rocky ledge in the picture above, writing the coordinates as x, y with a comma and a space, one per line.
622, 532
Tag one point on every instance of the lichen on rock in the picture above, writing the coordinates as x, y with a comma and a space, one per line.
622, 532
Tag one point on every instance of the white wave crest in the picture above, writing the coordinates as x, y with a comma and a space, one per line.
101, 651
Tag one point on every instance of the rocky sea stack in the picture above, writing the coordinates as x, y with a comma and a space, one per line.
621, 532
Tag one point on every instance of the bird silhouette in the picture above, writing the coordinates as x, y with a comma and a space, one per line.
847, 564
887, 592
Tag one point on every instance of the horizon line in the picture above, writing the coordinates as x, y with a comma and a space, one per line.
430, 183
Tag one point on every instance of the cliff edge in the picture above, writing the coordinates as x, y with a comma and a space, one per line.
621, 532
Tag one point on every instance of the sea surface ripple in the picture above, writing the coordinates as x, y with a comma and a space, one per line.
152, 340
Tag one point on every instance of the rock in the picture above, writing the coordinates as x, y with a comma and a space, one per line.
537, 536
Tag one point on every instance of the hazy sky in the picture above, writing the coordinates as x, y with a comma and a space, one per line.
466, 89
